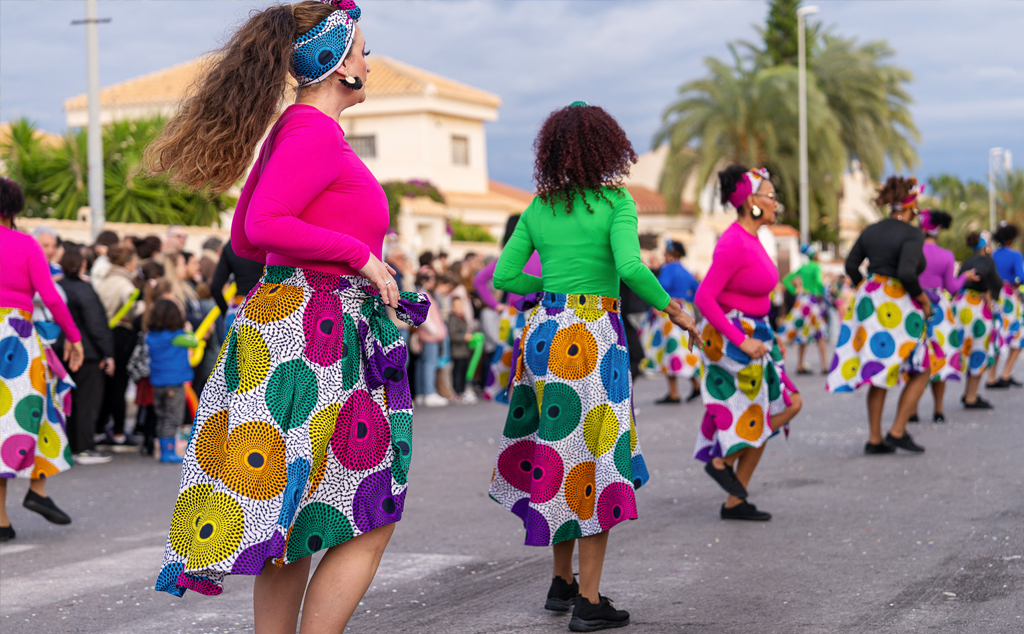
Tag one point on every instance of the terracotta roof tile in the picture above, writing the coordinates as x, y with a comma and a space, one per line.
510, 191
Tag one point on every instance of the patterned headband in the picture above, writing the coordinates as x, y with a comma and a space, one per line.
983, 240
747, 185
322, 50
911, 199
929, 227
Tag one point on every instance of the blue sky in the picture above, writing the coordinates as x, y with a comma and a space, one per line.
628, 56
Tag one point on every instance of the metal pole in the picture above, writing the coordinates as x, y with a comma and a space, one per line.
95, 152
993, 157
805, 229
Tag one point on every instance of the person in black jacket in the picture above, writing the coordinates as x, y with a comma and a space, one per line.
98, 344
247, 274
973, 307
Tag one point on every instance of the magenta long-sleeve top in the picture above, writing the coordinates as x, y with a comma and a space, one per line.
314, 204
741, 277
940, 269
25, 272
482, 281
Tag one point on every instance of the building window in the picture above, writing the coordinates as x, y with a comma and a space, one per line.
460, 150
364, 146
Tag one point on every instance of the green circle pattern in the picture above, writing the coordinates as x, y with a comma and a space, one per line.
671, 345
865, 308
29, 412
623, 457
68, 456
291, 393
276, 274
401, 442
231, 362
383, 329
350, 360
771, 379
523, 418
978, 328
914, 325
320, 525
560, 412
720, 383
567, 531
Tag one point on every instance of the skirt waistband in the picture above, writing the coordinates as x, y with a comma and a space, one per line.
593, 302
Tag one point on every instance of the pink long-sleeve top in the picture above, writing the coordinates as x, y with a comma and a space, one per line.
940, 269
482, 281
314, 204
741, 277
24, 273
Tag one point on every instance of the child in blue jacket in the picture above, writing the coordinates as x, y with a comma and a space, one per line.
169, 370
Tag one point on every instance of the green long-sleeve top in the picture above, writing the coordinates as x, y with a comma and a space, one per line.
581, 252
810, 276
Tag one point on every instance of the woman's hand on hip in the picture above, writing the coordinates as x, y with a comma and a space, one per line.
381, 276
754, 348
926, 305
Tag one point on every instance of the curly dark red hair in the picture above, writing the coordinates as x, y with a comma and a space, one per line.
580, 148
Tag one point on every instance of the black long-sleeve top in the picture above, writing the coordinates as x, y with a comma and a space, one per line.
247, 275
90, 317
893, 248
985, 267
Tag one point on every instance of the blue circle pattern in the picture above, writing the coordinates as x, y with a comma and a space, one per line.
844, 336
298, 475
13, 358
615, 374
978, 359
168, 579
882, 345
333, 36
640, 474
538, 347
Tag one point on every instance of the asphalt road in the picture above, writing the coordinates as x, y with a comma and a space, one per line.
903, 543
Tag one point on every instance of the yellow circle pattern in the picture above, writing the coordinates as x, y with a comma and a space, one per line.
600, 429
6, 399
49, 441
321, 428
255, 465
253, 359
218, 531
211, 443
273, 302
890, 315
187, 512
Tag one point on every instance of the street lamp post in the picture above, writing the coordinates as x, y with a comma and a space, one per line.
94, 152
998, 158
801, 13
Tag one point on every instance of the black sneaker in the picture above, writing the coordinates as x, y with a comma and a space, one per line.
694, 395
45, 507
6, 533
998, 385
913, 419
880, 448
979, 403
938, 417
587, 617
726, 479
561, 595
1012, 382
906, 442
667, 400
804, 371
745, 511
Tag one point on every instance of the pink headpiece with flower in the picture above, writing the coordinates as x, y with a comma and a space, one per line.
747, 185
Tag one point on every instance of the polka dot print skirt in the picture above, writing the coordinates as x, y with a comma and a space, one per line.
806, 322
666, 345
569, 458
303, 434
740, 394
510, 328
1010, 320
945, 336
979, 333
881, 340
35, 399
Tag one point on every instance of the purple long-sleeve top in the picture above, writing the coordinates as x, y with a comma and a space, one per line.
482, 280
940, 269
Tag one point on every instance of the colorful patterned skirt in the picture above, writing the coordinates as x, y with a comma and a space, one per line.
807, 321
510, 328
303, 434
666, 345
1010, 333
880, 341
569, 459
945, 336
979, 338
35, 399
740, 394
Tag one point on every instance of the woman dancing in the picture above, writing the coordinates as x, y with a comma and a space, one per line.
35, 390
945, 335
568, 468
667, 344
747, 395
974, 310
302, 437
807, 321
510, 320
882, 340
1010, 265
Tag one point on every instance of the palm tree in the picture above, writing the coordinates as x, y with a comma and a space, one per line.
20, 154
966, 202
1010, 197
744, 114
63, 176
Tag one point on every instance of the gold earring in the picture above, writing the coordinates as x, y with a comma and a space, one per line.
755, 212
